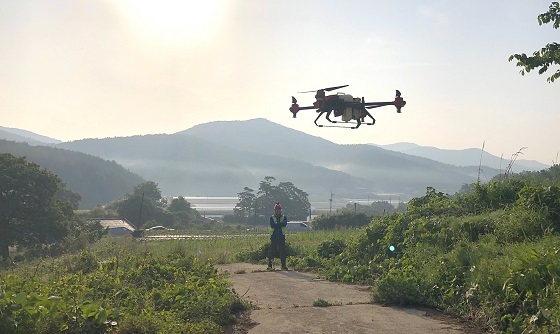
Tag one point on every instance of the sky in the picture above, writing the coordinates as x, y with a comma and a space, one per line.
74, 69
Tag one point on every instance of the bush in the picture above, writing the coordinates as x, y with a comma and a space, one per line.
329, 249
340, 220
260, 254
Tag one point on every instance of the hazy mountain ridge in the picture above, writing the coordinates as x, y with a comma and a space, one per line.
221, 158
29, 137
466, 157
183, 164
390, 171
98, 181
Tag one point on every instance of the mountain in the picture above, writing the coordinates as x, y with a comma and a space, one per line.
183, 164
98, 181
29, 137
221, 158
391, 172
466, 157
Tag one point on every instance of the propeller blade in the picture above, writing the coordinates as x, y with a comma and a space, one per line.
398, 93
333, 88
328, 89
294, 100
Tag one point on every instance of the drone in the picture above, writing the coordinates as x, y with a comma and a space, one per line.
352, 110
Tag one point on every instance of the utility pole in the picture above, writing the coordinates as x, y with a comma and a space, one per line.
255, 228
330, 204
140, 214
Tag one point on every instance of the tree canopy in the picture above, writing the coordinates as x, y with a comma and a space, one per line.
548, 55
294, 201
29, 211
146, 207
149, 189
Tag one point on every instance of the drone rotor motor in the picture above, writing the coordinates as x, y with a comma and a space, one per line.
295, 107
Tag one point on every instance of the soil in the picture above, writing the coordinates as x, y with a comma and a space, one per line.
284, 303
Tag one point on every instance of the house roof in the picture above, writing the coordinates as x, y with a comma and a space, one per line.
111, 223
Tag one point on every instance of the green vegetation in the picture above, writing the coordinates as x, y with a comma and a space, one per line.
488, 254
251, 205
34, 214
322, 303
548, 55
120, 286
145, 208
98, 181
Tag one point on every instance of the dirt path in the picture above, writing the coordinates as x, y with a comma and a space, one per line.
284, 301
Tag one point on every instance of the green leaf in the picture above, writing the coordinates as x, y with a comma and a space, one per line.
20, 298
101, 316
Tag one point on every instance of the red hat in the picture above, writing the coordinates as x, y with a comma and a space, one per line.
277, 206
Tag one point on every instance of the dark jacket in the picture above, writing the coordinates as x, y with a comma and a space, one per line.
278, 227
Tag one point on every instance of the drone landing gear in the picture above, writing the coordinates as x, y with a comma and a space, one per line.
355, 125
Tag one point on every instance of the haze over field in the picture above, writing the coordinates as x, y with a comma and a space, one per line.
80, 69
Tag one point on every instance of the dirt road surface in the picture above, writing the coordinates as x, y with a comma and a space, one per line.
284, 304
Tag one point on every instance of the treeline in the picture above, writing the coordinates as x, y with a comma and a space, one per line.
145, 207
489, 253
355, 215
98, 181
258, 205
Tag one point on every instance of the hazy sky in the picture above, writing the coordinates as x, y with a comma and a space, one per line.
72, 69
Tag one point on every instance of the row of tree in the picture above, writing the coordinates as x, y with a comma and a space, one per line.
256, 206
146, 207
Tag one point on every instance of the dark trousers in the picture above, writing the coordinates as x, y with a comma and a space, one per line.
277, 245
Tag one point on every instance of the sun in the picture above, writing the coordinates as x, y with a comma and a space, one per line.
174, 21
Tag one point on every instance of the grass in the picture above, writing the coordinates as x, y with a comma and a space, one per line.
223, 248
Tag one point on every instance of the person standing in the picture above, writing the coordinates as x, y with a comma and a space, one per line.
278, 223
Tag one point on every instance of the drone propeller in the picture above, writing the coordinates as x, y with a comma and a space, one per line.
325, 89
294, 100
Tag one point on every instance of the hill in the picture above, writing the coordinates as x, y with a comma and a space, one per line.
391, 172
183, 164
98, 181
221, 158
29, 137
466, 157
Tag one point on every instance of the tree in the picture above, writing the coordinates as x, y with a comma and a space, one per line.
149, 189
29, 212
66, 195
548, 55
294, 201
179, 204
138, 211
246, 205
181, 211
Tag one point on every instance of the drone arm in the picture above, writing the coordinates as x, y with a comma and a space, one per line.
295, 108
370, 105
398, 103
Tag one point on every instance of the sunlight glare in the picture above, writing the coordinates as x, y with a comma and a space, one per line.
174, 21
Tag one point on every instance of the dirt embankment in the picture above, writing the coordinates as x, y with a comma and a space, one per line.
285, 301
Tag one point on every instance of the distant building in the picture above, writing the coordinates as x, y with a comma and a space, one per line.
200, 220
115, 226
298, 226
